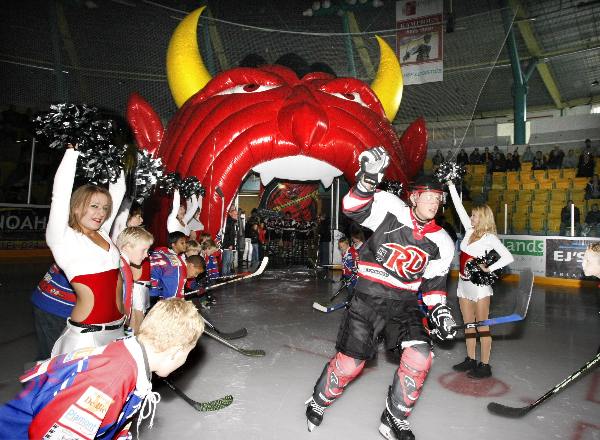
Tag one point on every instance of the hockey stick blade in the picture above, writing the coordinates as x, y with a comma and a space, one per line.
509, 411
240, 333
257, 272
213, 405
245, 352
330, 308
523, 298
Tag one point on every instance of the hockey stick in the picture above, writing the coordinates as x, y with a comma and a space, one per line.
345, 284
523, 298
253, 353
256, 273
329, 309
509, 411
232, 335
213, 405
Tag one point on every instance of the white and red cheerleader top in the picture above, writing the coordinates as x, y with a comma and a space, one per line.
479, 247
80, 258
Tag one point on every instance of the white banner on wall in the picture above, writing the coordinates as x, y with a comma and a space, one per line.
420, 40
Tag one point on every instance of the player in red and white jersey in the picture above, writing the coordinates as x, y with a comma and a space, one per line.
406, 253
77, 235
94, 393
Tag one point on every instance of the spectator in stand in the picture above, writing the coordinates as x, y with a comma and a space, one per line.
565, 219
539, 161
486, 156
462, 158
489, 161
512, 162
586, 165
475, 156
498, 161
555, 158
592, 221
438, 158
570, 160
592, 189
588, 147
528, 155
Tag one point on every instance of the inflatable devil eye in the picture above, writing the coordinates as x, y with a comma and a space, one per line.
353, 96
246, 88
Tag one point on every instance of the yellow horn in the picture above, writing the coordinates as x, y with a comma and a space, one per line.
185, 68
388, 82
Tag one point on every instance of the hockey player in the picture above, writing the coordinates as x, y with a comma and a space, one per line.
350, 266
95, 393
406, 253
170, 271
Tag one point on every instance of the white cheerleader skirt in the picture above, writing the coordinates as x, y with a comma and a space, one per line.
466, 289
77, 335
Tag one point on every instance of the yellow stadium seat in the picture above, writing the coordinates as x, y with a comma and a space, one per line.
577, 195
569, 173
546, 184
519, 225
539, 207
512, 176
529, 185
553, 225
526, 176
554, 174
510, 196
479, 169
537, 225
428, 165
558, 196
498, 181
541, 195
563, 184
580, 182
525, 166
539, 174
525, 196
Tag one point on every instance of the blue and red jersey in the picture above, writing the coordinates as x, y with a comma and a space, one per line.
78, 395
350, 265
168, 273
54, 293
213, 264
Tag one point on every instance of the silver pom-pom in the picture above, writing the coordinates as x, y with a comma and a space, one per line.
392, 186
169, 182
147, 173
450, 172
101, 159
66, 124
190, 186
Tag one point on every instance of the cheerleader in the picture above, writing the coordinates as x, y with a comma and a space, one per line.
180, 216
480, 237
77, 234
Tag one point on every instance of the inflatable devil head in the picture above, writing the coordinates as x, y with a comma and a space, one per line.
268, 120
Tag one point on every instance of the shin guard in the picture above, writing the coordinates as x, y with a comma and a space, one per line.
338, 373
408, 380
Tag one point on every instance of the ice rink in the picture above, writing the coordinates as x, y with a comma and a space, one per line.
561, 333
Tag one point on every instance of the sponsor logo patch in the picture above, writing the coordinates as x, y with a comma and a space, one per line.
83, 352
58, 432
95, 401
80, 421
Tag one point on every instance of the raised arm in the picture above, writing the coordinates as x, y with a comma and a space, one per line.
458, 206
120, 221
58, 220
192, 207
172, 222
117, 193
505, 256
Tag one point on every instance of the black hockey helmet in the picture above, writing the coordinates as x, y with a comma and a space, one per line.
426, 183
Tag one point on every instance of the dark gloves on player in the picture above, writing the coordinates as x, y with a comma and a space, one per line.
441, 317
373, 163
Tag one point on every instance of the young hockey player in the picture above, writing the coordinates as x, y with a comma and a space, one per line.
349, 262
406, 253
94, 393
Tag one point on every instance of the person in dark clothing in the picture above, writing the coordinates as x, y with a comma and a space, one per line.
462, 158
324, 239
475, 157
555, 158
512, 162
586, 165
592, 189
592, 221
565, 219
229, 240
539, 161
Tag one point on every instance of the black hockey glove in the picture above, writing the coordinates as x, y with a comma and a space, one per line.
441, 317
372, 163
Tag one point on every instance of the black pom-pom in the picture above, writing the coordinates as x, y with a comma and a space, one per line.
169, 182
477, 275
101, 159
147, 173
66, 124
392, 186
450, 172
190, 186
